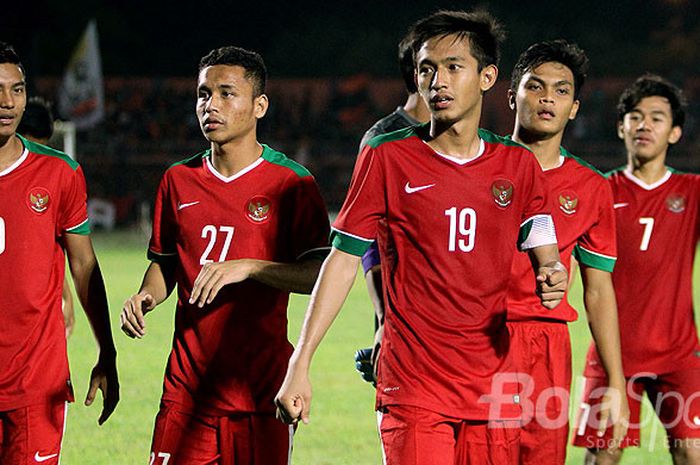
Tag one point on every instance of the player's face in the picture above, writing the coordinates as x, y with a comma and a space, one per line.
226, 107
449, 79
648, 129
544, 101
13, 98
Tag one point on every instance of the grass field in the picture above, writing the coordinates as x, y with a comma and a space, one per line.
342, 429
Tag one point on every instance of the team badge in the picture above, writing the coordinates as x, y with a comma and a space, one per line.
502, 191
675, 203
38, 199
568, 201
258, 209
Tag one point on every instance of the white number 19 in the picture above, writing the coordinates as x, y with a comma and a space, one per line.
646, 237
465, 225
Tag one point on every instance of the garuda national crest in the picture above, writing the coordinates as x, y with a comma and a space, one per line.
568, 201
38, 199
258, 209
502, 191
675, 203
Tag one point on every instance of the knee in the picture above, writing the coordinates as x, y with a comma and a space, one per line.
603, 457
686, 452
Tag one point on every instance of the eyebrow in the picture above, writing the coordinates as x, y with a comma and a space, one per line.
563, 82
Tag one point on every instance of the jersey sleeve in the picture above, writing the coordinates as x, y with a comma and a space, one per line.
310, 226
73, 216
597, 247
162, 246
537, 226
355, 228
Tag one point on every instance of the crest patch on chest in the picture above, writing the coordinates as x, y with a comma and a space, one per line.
502, 190
675, 203
38, 199
568, 201
259, 209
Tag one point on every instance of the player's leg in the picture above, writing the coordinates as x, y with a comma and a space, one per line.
488, 443
272, 440
414, 436
587, 422
676, 400
181, 438
33, 434
542, 353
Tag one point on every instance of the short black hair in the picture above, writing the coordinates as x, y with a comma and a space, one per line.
485, 34
407, 63
653, 85
559, 51
37, 121
251, 61
8, 55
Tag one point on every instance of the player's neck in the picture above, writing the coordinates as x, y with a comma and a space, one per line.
649, 170
459, 139
233, 156
11, 149
416, 108
546, 150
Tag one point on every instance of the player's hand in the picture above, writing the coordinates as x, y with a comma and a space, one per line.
133, 311
104, 377
294, 397
614, 410
364, 365
552, 281
213, 276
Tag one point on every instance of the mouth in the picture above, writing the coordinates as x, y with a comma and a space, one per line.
441, 101
6, 120
547, 115
641, 140
211, 124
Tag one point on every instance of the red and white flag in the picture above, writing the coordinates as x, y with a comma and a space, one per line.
81, 95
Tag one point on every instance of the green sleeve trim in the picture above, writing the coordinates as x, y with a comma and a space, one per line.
404, 133
83, 228
491, 138
580, 161
51, 152
524, 233
616, 170
594, 260
278, 158
197, 156
349, 244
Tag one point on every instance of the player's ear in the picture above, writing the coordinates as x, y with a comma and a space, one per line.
511, 99
487, 77
260, 104
574, 110
620, 131
675, 136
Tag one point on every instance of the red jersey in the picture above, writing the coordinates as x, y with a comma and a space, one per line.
43, 198
452, 229
657, 234
231, 355
582, 209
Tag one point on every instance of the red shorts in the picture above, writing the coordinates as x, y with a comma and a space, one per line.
542, 355
183, 438
414, 436
674, 397
33, 434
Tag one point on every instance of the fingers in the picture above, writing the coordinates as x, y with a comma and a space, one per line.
209, 282
92, 391
603, 422
111, 399
290, 410
132, 315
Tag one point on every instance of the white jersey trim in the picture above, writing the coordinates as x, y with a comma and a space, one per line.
63, 433
162, 254
461, 161
12, 167
352, 235
562, 159
252, 166
380, 416
77, 225
541, 233
628, 174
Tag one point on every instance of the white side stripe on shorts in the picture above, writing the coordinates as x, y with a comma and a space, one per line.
380, 416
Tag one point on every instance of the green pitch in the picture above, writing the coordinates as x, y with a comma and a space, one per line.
343, 422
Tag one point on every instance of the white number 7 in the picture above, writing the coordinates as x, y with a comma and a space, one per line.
646, 237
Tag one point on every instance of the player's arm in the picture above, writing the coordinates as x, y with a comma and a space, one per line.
158, 282
601, 310
335, 280
67, 309
298, 276
90, 289
550, 273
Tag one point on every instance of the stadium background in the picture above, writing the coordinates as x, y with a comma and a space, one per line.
333, 72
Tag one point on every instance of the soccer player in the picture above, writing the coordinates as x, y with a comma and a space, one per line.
236, 227
457, 202
37, 126
43, 215
544, 91
414, 111
657, 211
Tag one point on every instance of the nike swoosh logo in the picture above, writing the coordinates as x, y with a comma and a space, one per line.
43, 458
696, 420
180, 206
411, 190
620, 205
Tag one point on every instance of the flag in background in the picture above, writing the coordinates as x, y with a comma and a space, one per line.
81, 95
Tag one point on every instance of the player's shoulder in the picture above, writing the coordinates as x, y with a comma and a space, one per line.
615, 173
277, 158
504, 143
193, 161
581, 167
52, 155
393, 136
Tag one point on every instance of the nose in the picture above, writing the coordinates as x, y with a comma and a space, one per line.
6, 99
438, 81
547, 96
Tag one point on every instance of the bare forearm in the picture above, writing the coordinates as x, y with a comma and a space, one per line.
158, 281
376, 291
296, 277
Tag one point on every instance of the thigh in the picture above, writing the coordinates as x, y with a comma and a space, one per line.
181, 438
488, 443
588, 417
414, 436
33, 434
271, 439
676, 400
